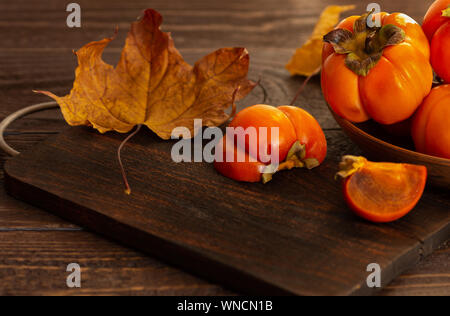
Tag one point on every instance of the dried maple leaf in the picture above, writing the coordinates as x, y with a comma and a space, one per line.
307, 60
152, 85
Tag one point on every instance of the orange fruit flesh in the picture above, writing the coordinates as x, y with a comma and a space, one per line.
385, 192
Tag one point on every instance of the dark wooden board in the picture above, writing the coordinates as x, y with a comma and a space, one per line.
292, 236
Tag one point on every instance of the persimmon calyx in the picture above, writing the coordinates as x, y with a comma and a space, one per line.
446, 12
364, 47
350, 165
296, 158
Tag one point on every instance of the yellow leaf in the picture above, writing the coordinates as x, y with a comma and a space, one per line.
152, 85
307, 60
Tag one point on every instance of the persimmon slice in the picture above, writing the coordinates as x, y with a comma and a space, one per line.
381, 192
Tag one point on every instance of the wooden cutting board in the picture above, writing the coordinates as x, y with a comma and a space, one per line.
294, 235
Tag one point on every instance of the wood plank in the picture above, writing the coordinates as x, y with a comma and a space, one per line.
37, 266
205, 24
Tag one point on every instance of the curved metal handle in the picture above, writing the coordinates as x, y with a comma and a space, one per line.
17, 115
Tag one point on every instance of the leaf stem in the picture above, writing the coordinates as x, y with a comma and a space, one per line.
303, 86
119, 158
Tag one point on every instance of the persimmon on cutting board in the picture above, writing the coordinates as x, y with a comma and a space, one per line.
381, 192
301, 143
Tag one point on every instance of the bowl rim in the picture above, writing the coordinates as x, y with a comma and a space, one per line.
431, 159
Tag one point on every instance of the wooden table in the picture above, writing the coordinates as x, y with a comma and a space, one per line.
35, 46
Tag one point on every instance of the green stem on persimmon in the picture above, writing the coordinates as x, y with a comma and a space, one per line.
295, 159
364, 46
350, 165
119, 158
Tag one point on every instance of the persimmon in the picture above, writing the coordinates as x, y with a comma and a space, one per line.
430, 128
380, 73
300, 143
381, 192
437, 28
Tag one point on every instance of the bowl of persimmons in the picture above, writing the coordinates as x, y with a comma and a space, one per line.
388, 86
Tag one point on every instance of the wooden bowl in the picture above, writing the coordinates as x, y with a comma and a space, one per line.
379, 145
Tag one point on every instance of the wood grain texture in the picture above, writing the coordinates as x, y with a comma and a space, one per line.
201, 24
425, 278
41, 258
192, 217
36, 53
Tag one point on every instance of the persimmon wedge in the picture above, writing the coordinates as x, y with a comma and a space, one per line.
381, 192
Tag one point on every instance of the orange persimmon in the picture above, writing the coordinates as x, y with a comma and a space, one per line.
437, 28
430, 128
300, 143
381, 192
380, 73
